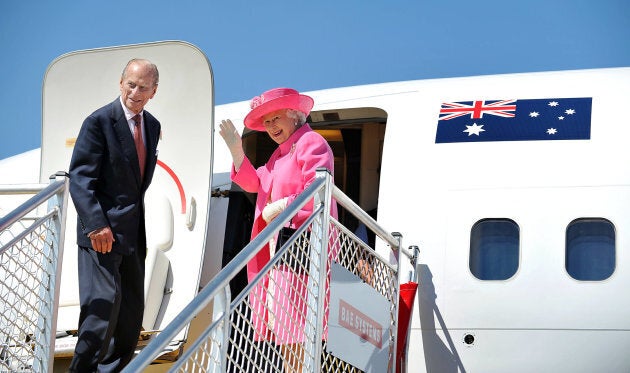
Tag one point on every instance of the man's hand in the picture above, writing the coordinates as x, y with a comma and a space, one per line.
102, 240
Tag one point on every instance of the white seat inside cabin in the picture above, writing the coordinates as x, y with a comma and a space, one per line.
159, 227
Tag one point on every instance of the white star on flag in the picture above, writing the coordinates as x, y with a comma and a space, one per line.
474, 129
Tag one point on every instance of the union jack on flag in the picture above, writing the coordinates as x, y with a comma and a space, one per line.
477, 109
515, 120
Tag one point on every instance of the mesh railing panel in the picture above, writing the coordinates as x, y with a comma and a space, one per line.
27, 267
362, 261
272, 323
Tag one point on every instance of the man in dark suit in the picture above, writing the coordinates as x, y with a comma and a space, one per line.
112, 166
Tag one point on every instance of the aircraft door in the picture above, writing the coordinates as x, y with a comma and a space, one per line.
176, 203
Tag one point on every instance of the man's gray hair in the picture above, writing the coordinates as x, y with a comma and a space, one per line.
142, 61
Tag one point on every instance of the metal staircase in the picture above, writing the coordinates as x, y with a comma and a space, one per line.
280, 321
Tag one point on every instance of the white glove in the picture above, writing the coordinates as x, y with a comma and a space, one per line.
273, 209
233, 141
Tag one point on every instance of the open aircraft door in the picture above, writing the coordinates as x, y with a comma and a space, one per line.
176, 203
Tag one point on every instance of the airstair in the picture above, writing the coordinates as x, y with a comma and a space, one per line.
325, 302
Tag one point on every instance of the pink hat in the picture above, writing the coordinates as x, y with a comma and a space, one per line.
276, 99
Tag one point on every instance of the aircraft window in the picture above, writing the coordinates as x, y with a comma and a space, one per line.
590, 249
494, 249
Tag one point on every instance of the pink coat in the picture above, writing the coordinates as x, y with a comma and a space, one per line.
290, 169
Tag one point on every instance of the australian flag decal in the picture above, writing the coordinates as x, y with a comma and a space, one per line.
515, 120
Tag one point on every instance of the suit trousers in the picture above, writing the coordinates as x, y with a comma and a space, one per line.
111, 292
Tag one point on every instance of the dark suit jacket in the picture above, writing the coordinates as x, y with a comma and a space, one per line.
105, 180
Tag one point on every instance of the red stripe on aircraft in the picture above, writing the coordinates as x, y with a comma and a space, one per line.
182, 195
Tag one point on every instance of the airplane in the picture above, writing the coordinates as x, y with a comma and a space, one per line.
513, 186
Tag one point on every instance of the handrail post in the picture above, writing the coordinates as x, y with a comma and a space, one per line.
413, 276
318, 271
323, 197
58, 202
227, 328
398, 237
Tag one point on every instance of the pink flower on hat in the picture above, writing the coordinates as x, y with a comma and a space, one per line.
257, 101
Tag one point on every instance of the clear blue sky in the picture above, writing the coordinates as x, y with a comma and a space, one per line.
309, 45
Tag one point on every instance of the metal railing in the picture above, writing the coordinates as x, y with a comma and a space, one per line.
279, 321
31, 249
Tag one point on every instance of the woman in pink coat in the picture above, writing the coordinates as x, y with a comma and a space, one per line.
281, 112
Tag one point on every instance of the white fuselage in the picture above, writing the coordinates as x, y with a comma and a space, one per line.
540, 318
